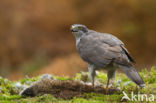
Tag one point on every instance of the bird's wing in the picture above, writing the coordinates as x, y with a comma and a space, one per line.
128, 54
100, 49
112, 41
105, 38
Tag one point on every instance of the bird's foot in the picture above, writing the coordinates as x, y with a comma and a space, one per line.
107, 87
107, 91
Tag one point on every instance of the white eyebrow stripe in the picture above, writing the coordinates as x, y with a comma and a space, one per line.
73, 26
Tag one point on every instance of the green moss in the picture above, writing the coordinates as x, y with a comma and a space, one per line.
63, 78
28, 80
9, 92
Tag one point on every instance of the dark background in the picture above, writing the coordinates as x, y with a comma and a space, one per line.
35, 35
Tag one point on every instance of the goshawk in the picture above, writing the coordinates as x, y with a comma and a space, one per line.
103, 50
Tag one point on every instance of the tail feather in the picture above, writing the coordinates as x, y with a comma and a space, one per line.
132, 73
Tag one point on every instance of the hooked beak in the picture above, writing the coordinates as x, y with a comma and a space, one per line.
72, 30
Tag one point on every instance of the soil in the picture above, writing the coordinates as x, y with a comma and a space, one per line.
64, 89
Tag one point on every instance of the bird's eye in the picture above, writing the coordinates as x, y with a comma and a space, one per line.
80, 28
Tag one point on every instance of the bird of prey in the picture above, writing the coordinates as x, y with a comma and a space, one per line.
103, 50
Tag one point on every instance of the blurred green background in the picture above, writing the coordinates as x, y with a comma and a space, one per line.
35, 37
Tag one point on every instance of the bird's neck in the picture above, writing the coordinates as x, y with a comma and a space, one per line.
77, 41
78, 37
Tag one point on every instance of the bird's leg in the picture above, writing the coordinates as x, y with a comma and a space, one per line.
110, 75
107, 89
93, 82
92, 74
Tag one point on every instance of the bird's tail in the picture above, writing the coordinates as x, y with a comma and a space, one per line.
131, 72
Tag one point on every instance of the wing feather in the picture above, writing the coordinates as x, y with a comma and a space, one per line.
101, 49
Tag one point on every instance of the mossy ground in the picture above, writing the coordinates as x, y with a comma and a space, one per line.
9, 89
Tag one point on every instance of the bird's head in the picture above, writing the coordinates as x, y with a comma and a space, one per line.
78, 30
